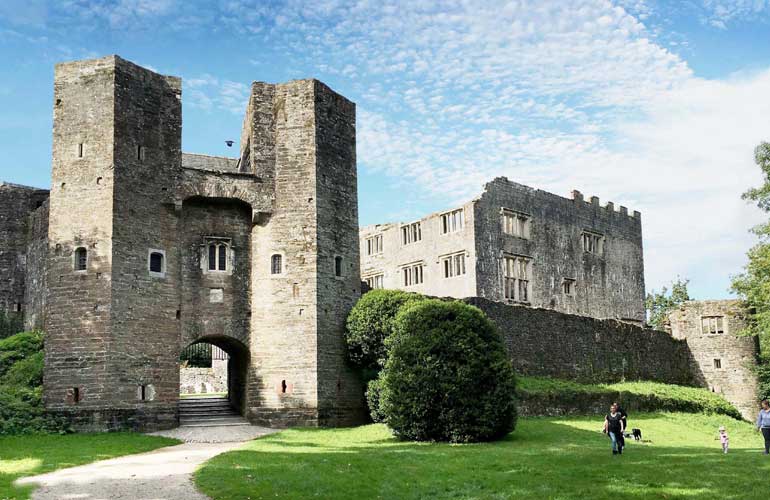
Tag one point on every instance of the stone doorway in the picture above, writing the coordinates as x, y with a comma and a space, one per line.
215, 367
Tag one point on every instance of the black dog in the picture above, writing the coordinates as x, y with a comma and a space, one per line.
635, 433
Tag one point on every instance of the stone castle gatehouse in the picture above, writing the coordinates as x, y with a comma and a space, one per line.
142, 250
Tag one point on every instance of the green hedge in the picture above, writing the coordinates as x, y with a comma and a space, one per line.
369, 323
539, 394
448, 376
21, 381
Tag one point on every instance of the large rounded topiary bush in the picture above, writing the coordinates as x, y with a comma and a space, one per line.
370, 322
448, 377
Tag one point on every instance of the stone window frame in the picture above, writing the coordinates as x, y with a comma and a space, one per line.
718, 365
509, 228
371, 280
411, 233
164, 265
452, 266
717, 319
593, 242
513, 281
375, 244
230, 259
413, 273
280, 274
75, 259
341, 275
449, 224
568, 287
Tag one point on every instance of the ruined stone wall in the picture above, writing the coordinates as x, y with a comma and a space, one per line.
548, 343
723, 358
204, 380
429, 251
35, 276
17, 206
609, 285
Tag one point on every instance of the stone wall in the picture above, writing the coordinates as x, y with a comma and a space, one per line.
204, 380
549, 343
35, 278
724, 358
609, 284
17, 206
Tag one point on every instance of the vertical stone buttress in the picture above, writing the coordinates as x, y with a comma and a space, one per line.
306, 147
112, 336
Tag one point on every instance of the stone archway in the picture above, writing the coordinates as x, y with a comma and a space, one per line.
237, 367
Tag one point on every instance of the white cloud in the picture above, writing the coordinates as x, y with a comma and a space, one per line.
720, 13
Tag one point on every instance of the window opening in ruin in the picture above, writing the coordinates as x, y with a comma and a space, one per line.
295, 290
713, 324
80, 150
276, 264
75, 395
17, 307
413, 274
453, 265
517, 277
376, 281
516, 223
143, 392
217, 255
374, 244
452, 221
283, 387
593, 243
717, 363
568, 287
140, 153
338, 266
178, 314
411, 233
156, 262
203, 371
81, 259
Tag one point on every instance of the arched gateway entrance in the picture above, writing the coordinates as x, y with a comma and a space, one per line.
212, 370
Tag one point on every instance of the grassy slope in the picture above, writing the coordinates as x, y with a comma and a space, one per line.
543, 458
38, 453
652, 394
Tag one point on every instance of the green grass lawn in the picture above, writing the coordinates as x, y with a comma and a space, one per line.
544, 458
27, 455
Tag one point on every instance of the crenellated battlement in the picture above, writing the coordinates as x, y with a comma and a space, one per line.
577, 197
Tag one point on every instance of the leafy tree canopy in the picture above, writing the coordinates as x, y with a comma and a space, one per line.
659, 304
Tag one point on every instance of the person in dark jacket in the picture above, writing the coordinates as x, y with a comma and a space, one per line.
763, 424
613, 427
624, 416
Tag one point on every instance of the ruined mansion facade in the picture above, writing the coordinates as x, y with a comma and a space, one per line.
140, 250
518, 245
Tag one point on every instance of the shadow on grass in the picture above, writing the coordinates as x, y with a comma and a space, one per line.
542, 459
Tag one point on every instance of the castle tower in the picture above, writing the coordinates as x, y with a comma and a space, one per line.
112, 269
723, 358
305, 135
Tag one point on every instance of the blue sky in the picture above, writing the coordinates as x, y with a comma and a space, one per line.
655, 105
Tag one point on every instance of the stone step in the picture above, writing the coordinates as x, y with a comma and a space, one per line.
222, 424
206, 405
196, 414
237, 419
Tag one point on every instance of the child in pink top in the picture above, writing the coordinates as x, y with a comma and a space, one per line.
724, 439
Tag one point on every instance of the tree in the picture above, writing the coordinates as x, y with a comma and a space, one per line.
447, 376
658, 305
753, 285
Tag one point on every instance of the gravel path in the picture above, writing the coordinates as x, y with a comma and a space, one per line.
163, 474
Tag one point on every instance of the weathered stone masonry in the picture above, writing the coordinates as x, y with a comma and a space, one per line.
520, 245
130, 279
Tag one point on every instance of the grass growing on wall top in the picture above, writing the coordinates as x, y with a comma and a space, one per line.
648, 395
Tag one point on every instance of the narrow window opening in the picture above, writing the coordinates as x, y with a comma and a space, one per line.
140, 153
143, 392
178, 314
283, 387
295, 290
80, 150
156, 262
276, 264
568, 287
717, 363
81, 259
222, 258
212, 257
75, 395
338, 266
